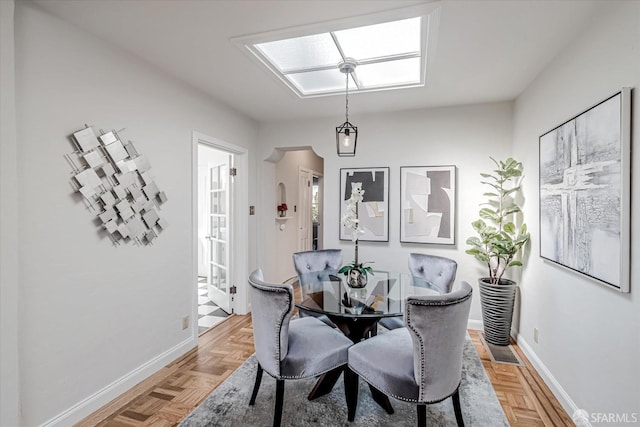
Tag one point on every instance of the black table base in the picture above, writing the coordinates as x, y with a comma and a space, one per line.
356, 329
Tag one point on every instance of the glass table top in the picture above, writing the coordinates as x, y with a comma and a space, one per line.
383, 296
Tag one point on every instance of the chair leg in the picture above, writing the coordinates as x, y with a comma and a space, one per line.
381, 399
351, 392
422, 415
456, 408
277, 417
256, 386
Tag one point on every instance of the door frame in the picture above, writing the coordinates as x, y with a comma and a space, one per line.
304, 217
240, 253
320, 205
320, 209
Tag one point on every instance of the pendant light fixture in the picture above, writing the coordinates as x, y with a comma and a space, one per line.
346, 133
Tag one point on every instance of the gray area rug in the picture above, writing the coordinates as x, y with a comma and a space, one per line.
228, 405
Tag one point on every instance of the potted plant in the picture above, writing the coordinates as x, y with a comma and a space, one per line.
498, 244
356, 272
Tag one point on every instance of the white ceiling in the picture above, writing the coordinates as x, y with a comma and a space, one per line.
485, 51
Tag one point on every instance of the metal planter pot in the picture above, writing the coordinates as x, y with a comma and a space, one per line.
497, 309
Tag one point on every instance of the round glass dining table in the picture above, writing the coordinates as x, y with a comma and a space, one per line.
356, 311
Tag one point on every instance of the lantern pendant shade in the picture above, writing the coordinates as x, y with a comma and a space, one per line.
346, 137
346, 133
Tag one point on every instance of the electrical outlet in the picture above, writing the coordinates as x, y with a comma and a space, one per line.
535, 335
185, 322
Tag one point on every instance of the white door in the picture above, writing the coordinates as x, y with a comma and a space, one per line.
305, 179
225, 220
218, 222
316, 213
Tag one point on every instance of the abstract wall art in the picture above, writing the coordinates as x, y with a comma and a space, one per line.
585, 197
427, 204
116, 183
373, 212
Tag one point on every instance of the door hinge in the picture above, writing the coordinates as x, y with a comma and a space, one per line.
233, 171
233, 290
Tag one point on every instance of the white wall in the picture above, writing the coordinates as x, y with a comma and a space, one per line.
589, 335
9, 364
462, 136
95, 318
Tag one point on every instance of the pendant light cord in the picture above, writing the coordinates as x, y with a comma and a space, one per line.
347, 99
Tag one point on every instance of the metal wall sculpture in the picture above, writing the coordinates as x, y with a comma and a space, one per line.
116, 182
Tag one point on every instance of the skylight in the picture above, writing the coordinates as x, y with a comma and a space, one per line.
388, 55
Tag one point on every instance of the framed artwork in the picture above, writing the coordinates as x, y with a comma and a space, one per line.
373, 211
585, 196
427, 204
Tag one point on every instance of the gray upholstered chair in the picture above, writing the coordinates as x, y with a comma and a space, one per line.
314, 268
439, 272
323, 260
421, 363
290, 349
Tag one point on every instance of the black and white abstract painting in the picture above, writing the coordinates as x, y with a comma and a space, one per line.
427, 203
584, 192
373, 211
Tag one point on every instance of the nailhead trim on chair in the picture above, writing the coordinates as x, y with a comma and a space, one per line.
290, 311
314, 374
412, 301
289, 297
404, 399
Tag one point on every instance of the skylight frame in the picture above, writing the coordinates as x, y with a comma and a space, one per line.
429, 15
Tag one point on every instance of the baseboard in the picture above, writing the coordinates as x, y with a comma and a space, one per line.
563, 397
475, 325
556, 388
97, 400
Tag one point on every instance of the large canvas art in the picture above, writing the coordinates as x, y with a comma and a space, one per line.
427, 198
373, 212
585, 192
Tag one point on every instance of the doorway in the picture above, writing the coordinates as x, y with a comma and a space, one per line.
220, 254
309, 199
294, 176
316, 212
215, 192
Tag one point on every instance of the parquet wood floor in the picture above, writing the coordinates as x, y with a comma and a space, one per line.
168, 396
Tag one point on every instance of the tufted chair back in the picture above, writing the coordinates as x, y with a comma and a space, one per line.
437, 325
317, 265
271, 309
439, 271
293, 349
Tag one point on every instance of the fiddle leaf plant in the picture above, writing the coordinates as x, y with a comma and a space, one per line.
499, 241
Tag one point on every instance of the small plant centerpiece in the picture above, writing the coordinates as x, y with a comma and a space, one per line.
356, 272
498, 244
